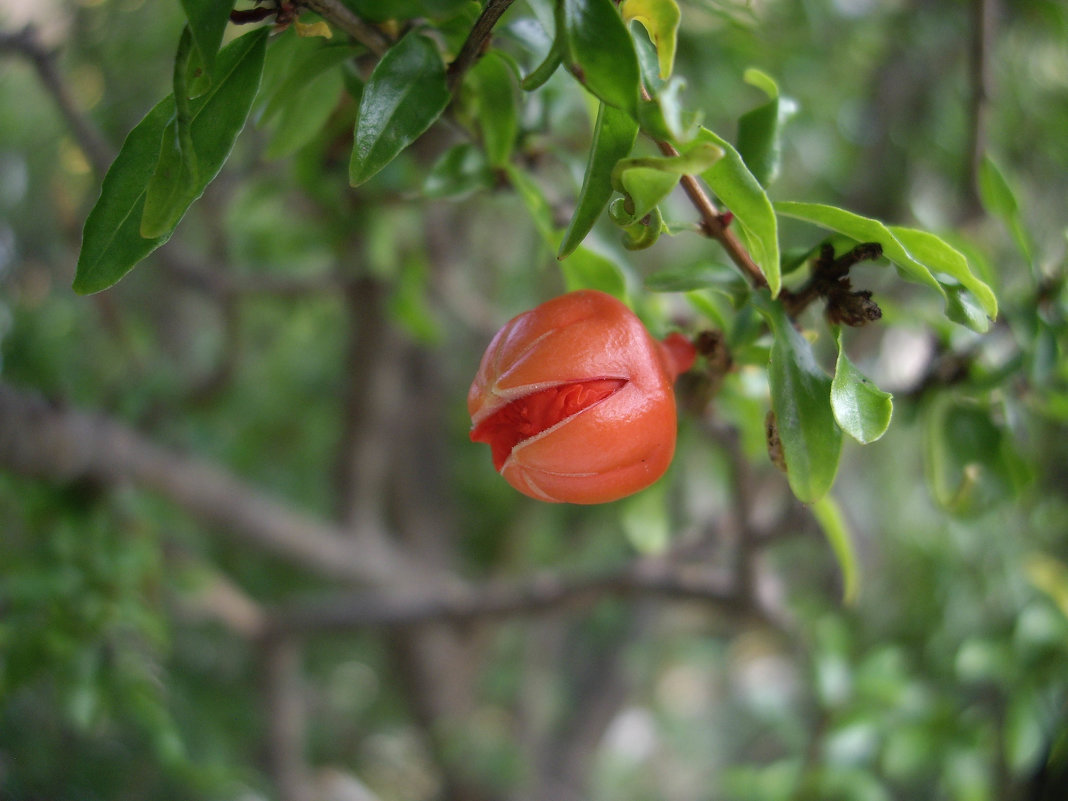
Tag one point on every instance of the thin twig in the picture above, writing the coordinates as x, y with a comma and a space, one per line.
476, 40
984, 13
339, 15
714, 223
26, 44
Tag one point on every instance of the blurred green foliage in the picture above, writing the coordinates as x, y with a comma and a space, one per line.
946, 678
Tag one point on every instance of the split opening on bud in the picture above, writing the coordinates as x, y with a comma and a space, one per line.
533, 414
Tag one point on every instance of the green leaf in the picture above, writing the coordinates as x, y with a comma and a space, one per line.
207, 21
461, 170
111, 240
648, 180
176, 174
586, 269
800, 398
971, 464
862, 229
702, 275
404, 96
495, 103
829, 516
860, 408
645, 521
661, 19
742, 194
759, 130
613, 137
599, 52
583, 269
999, 200
304, 99
942, 257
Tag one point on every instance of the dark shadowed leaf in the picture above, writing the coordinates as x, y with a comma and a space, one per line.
800, 397
207, 21
971, 463
404, 96
613, 138
600, 53
459, 172
111, 240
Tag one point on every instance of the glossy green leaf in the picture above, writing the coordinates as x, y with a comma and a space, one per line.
495, 105
207, 21
941, 257
613, 137
111, 240
600, 53
862, 229
860, 408
661, 19
971, 464
405, 94
831, 520
742, 194
759, 130
801, 400
461, 170
998, 199
300, 103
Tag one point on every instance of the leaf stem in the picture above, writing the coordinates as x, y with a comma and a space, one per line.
338, 14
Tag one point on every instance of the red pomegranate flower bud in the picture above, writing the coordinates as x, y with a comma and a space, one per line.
575, 400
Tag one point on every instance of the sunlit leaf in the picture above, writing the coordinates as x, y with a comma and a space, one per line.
759, 130
860, 408
800, 398
661, 19
613, 137
405, 94
742, 194
862, 229
648, 180
941, 257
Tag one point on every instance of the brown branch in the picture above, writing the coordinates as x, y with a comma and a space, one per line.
984, 13
714, 223
286, 719
338, 14
43, 440
26, 44
542, 594
476, 41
